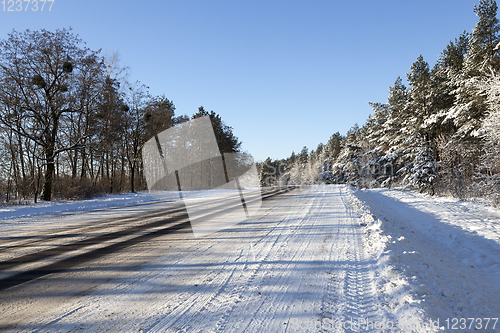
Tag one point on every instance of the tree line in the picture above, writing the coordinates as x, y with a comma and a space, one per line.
71, 125
439, 133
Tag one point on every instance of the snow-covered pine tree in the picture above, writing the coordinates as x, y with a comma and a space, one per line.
465, 146
328, 157
488, 173
482, 57
442, 86
423, 171
304, 156
316, 163
441, 122
268, 172
394, 135
349, 164
375, 169
418, 154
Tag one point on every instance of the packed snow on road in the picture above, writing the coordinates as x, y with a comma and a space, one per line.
322, 258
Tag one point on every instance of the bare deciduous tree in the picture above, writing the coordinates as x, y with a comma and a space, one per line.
44, 77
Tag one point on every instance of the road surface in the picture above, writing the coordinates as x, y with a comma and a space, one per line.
315, 259
294, 267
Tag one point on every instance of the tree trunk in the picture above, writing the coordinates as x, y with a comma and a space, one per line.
83, 173
50, 160
132, 176
112, 179
49, 175
73, 158
23, 168
108, 178
37, 184
122, 175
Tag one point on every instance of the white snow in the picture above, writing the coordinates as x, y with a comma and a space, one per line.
59, 207
9, 213
445, 254
309, 260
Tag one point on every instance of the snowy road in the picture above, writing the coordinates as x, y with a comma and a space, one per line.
312, 260
299, 261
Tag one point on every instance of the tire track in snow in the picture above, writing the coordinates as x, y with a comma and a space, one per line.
285, 278
249, 274
351, 292
178, 319
173, 303
241, 284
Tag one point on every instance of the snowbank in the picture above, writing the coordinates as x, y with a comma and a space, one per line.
439, 255
396, 290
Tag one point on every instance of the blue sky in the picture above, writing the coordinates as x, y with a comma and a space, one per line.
283, 74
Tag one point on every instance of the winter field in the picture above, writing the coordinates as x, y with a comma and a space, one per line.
320, 258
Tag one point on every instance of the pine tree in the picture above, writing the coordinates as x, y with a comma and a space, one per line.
394, 136
463, 150
481, 59
227, 141
488, 173
418, 152
304, 156
328, 157
268, 173
417, 110
484, 54
423, 171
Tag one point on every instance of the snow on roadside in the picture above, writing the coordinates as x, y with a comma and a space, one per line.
446, 254
58, 207
61, 207
460, 222
393, 286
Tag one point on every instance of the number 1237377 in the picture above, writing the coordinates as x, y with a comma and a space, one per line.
27, 5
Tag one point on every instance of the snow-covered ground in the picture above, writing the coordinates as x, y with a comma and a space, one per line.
316, 259
44, 208
439, 255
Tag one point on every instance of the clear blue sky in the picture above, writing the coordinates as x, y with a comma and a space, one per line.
283, 74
